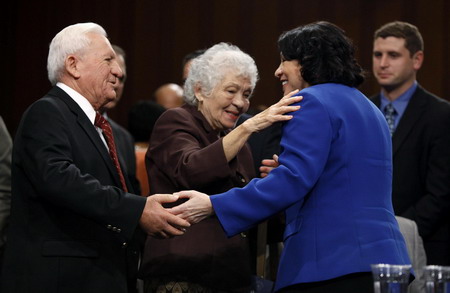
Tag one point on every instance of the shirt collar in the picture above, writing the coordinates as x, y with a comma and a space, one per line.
81, 101
401, 102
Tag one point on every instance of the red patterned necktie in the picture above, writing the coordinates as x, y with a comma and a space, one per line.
101, 122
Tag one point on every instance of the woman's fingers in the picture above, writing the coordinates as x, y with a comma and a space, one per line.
276, 112
275, 158
283, 109
289, 95
286, 100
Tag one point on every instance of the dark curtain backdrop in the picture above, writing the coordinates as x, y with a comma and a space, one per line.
156, 34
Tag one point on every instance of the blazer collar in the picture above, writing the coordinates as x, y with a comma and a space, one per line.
88, 128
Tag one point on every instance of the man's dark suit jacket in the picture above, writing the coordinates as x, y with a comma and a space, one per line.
264, 144
125, 147
421, 175
72, 228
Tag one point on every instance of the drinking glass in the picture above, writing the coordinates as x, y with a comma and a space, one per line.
437, 279
390, 278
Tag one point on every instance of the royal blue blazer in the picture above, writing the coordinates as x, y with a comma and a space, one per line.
334, 183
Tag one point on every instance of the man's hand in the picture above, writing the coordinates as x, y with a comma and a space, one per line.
158, 222
268, 165
197, 208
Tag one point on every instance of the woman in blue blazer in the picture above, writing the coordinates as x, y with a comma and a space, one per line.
334, 177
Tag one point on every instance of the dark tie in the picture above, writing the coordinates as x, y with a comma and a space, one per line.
101, 122
389, 113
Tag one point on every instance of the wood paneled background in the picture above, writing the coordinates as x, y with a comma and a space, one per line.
156, 34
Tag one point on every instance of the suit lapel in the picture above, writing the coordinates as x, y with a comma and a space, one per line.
90, 130
94, 136
413, 112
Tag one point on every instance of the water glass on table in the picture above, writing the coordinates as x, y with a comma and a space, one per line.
437, 279
390, 278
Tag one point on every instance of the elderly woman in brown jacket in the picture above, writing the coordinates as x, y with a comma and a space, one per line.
197, 147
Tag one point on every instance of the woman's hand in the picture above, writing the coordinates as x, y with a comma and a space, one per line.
197, 208
274, 113
268, 165
236, 139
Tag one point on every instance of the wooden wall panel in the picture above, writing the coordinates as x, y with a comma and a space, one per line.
264, 50
156, 34
445, 34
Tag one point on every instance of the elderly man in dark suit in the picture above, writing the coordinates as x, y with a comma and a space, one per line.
74, 226
419, 123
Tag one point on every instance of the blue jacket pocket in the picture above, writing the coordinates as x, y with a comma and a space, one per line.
292, 227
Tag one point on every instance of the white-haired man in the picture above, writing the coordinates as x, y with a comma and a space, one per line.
73, 224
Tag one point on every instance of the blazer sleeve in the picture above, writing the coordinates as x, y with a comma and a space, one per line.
305, 147
48, 159
184, 152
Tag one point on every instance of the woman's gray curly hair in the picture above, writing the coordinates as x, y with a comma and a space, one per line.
210, 68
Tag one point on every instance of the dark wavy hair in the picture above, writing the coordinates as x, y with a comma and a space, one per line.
325, 53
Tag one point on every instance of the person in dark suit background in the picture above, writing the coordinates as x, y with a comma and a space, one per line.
5, 184
420, 137
265, 147
123, 138
73, 226
264, 144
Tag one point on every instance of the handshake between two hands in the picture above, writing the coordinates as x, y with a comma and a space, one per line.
161, 222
